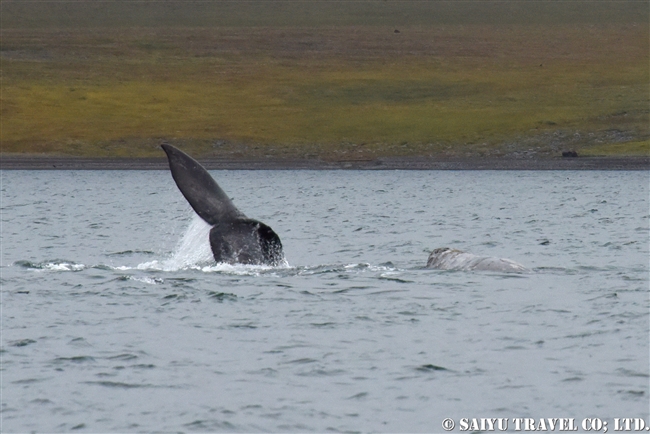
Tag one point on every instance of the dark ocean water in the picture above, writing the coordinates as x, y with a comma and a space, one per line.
116, 319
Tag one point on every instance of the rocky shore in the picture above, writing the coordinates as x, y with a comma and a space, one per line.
22, 162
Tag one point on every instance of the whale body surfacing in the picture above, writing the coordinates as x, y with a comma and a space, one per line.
451, 259
234, 238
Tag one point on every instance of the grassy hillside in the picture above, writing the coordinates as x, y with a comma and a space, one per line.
323, 78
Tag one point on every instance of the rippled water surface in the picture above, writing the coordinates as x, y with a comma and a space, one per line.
115, 318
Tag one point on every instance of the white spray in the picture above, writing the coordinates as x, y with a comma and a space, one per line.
192, 251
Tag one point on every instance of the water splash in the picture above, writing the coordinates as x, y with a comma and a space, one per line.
53, 265
194, 246
193, 250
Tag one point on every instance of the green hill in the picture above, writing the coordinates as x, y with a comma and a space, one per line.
332, 79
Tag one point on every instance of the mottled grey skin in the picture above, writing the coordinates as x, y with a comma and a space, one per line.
445, 258
234, 238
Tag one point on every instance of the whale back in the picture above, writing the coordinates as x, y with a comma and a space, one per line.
199, 188
451, 259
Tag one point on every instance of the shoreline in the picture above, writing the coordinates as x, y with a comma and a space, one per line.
16, 162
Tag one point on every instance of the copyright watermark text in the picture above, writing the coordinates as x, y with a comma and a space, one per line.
589, 424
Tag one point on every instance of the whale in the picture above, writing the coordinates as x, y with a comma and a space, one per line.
234, 238
445, 258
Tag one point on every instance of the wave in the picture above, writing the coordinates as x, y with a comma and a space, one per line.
193, 253
52, 265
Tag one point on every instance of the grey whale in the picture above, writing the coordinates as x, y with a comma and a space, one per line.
445, 258
234, 238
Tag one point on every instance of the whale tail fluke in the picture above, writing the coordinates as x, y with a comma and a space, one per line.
202, 192
234, 238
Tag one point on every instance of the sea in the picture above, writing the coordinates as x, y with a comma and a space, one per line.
115, 317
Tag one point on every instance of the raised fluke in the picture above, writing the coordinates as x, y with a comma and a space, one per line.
234, 238
203, 193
